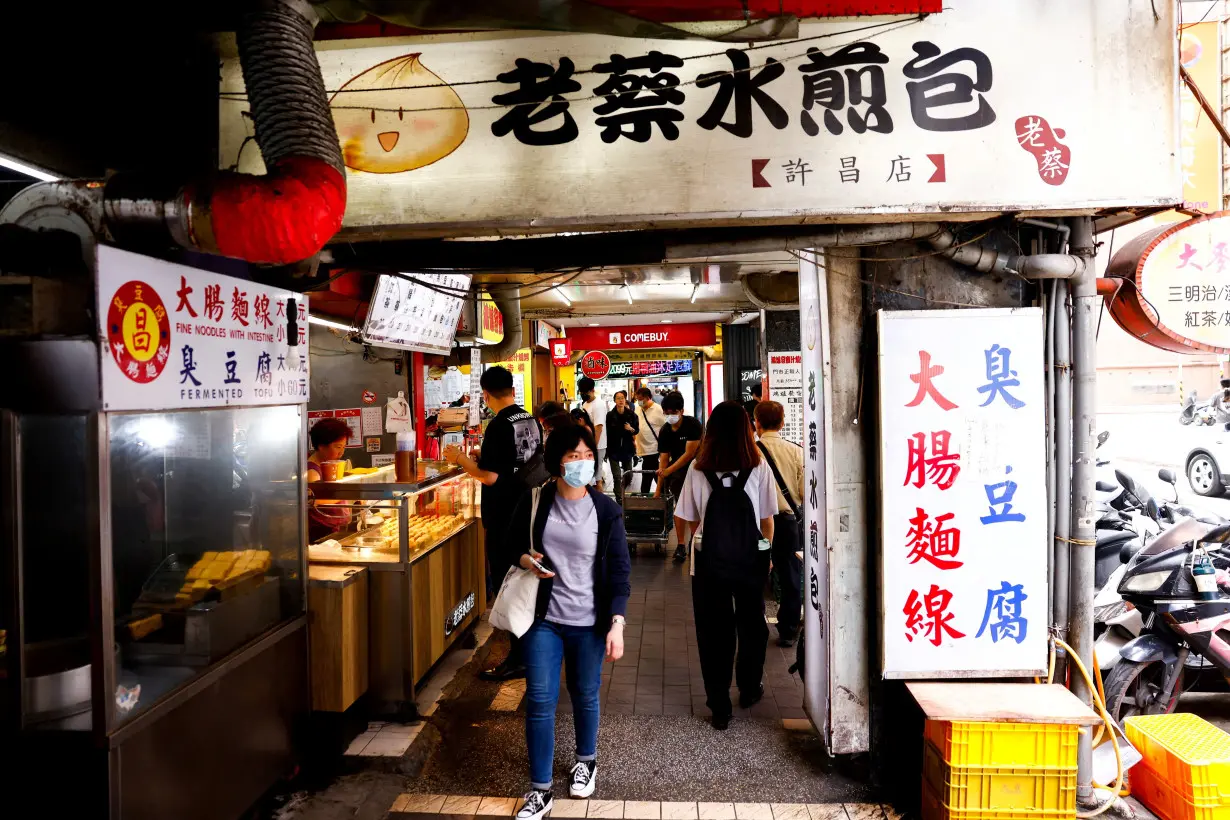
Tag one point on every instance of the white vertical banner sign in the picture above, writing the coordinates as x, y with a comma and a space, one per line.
786, 388
476, 389
815, 550
963, 488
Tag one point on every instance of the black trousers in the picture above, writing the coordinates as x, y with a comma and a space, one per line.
789, 571
729, 614
618, 465
650, 465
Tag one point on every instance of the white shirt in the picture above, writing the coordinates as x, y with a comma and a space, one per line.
644, 436
597, 409
760, 488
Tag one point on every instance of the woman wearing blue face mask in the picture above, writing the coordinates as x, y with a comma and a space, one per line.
578, 536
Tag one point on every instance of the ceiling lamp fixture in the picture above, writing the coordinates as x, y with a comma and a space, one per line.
316, 320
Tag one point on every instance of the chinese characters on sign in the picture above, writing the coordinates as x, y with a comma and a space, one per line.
964, 510
225, 342
786, 388
519, 366
416, 312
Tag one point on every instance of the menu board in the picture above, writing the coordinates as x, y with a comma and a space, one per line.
416, 311
786, 388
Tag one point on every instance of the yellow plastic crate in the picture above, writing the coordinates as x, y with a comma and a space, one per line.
934, 809
1190, 754
1157, 796
1004, 744
996, 788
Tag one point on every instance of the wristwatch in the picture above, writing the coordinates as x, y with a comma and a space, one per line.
618, 619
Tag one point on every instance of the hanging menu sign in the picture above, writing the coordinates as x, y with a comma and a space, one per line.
786, 388
417, 311
176, 337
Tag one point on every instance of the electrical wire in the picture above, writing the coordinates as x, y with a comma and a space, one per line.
591, 98
1100, 703
754, 47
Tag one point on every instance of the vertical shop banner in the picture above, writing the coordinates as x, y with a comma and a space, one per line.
519, 366
177, 337
476, 388
786, 388
963, 483
1200, 145
815, 547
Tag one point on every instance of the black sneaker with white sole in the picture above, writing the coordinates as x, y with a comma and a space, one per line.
538, 804
584, 779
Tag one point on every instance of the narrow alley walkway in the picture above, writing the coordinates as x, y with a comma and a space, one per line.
655, 743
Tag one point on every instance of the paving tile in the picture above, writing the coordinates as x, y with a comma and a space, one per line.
564, 807
864, 811
826, 811
790, 811
617, 708
423, 803
716, 811
679, 811
400, 730
792, 712
677, 694
498, 806
676, 708
461, 805
606, 809
798, 725
360, 743
622, 694
753, 811
400, 802
386, 747
647, 708
642, 810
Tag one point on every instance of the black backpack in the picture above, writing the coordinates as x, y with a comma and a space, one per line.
730, 538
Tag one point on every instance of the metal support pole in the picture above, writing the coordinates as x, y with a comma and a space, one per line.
1084, 443
1063, 454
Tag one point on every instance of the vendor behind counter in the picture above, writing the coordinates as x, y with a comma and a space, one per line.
329, 437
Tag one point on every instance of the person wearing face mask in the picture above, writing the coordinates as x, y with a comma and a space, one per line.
622, 426
510, 443
652, 420
678, 443
577, 535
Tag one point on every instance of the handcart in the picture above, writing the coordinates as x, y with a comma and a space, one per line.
648, 519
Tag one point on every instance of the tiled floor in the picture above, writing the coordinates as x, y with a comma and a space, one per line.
432, 806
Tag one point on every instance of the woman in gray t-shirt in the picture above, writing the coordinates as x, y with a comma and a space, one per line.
576, 545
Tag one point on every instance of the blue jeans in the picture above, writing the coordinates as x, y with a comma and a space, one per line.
580, 650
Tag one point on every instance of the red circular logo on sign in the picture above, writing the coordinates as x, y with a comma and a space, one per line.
138, 332
369, 397
595, 364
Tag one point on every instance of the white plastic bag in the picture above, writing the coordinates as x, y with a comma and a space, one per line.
517, 600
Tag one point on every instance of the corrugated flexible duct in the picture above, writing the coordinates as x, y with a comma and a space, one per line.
290, 213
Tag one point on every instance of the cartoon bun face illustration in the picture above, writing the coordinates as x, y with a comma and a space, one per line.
398, 116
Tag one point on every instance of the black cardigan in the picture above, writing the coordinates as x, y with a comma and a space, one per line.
611, 569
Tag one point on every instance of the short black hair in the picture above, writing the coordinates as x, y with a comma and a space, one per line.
644, 393
497, 381
618, 393
757, 389
564, 440
327, 431
672, 401
548, 409
585, 385
581, 414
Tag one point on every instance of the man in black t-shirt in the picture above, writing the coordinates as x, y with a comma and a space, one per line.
678, 442
511, 440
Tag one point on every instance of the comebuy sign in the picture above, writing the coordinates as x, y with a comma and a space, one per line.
691, 334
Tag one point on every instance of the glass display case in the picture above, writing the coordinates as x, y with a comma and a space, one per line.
432, 510
206, 532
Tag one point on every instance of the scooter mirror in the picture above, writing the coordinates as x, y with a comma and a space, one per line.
1102, 436
1167, 475
1105, 487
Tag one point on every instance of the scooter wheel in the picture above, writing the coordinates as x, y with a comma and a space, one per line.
1134, 688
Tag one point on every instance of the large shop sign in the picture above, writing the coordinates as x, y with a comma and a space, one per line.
178, 337
901, 115
1174, 285
963, 520
689, 334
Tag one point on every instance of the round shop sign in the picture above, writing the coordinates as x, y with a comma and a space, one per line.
595, 364
138, 332
369, 397
1172, 285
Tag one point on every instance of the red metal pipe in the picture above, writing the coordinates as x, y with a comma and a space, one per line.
1107, 287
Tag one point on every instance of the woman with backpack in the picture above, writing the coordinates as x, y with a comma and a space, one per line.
572, 537
730, 493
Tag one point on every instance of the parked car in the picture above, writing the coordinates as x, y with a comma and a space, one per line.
1207, 463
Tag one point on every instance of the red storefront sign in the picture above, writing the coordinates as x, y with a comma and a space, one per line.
595, 364
692, 334
561, 351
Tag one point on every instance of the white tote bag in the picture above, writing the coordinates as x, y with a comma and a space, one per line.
518, 597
